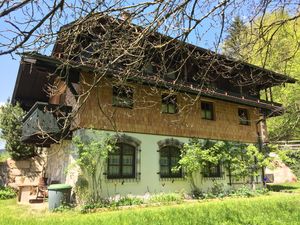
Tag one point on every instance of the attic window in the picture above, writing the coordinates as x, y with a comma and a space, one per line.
122, 97
169, 103
243, 116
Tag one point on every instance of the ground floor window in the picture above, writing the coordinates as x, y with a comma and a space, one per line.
169, 157
121, 161
212, 170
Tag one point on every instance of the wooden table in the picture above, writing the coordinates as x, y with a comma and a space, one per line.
26, 192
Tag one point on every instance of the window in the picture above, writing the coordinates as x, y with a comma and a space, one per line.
122, 97
121, 162
243, 115
171, 74
212, 170
207, 110
169, 103
148, 68
169, 157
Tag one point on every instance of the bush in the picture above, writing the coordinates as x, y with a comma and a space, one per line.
247, 192
127, 201
166, 198
217, 191
7, 193
4, 156
11, 131
105, 203
294, 163
64, 208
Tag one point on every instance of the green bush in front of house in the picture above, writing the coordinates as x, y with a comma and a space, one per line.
7, 193
166, 198
11, 131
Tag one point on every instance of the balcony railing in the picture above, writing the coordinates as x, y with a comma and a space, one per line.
45, 123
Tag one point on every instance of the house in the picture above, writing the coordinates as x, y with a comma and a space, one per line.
155, 108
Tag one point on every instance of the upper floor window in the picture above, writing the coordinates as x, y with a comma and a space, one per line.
169, 103
171, 74
207, 110
212, 170
169, 158
122, 96
243, 116
122, 161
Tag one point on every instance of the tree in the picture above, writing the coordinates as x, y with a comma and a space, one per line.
239, 160
11, 127
91, 155
277, 50
235, 41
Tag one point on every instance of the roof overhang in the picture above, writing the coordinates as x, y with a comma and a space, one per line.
32, 73
36, 73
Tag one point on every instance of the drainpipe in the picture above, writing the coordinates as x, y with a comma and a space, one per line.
260, 146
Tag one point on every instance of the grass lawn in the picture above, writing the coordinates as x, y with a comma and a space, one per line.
281, 208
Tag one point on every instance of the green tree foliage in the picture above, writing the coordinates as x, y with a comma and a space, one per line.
240, 160
277, 49
92, 153
11, 131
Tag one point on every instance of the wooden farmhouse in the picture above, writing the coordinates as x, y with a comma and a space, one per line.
154, 95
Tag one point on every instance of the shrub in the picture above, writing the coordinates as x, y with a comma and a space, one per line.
64, 208
217, 191
127, 201
4, 156
7, 193
166, 198
247, 192
105, 203
11, 127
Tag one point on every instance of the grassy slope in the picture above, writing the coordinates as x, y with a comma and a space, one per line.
277, 209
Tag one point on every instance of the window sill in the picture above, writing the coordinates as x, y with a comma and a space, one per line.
122, 180
214, 178
172, 179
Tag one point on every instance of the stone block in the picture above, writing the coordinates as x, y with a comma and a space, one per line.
20, 180
11, 163
15, 172
26, 180
36, 165
23, 164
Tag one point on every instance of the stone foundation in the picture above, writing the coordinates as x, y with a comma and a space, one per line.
23, 172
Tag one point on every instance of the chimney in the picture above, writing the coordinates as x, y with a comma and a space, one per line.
126, 16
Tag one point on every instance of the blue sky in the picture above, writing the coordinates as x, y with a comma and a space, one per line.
9, 70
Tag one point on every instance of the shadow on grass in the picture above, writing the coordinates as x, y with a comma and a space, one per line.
282, 188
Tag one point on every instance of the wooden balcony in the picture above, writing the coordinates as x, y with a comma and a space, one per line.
45, 124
